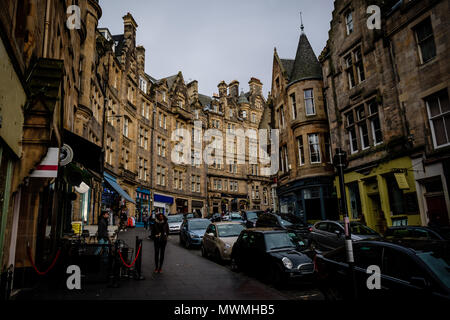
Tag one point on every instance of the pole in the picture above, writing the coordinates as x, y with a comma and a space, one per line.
138, 265
340, 162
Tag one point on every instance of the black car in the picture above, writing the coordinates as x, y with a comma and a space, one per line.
250, 218
415, 270
271, 254
418, 232
286, 222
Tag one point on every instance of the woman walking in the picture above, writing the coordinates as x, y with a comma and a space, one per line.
160, 233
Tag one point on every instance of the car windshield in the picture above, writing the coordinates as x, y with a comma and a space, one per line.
230, 230
199, 224
285, 223
252, 215
293, 219
279, 240
438, 261
235, 216
360, 229
174, 219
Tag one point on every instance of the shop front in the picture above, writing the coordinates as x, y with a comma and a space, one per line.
142, 203
114, 196
383, 195
197, 208
181, 206
162, 203
312, 199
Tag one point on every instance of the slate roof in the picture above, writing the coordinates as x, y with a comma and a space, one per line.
204, 100
305, 65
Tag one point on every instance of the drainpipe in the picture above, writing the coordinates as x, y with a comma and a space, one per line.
46, 29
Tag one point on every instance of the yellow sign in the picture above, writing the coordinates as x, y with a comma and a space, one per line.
76, 226
401, 180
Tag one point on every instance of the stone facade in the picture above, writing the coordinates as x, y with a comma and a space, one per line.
375, 85
305, 178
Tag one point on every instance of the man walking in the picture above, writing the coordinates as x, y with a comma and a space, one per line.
102, 233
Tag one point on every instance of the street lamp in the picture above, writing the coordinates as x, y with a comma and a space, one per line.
340, 162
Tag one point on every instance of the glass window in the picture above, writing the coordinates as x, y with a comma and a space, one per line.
294, 106
314, 148
438, 108
301, 151
355, 200
278, 241
309, 102
425, 41
349, 22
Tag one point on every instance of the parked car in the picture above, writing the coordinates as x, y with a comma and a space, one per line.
329, 235
175, 222
418, 232
236, 216
250, 218
216, 217
270, 220
417, 269
219, 239
271, 254
188, 216
192, 232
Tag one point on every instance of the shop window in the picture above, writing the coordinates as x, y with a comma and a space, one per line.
355, 200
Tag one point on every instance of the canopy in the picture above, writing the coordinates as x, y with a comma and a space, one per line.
112, 182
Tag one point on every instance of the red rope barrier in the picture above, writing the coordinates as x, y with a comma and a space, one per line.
49, 268
134, 261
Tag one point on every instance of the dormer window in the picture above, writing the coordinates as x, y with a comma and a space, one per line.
244, 114
143, 84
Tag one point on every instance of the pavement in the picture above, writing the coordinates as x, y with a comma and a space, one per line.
186, 276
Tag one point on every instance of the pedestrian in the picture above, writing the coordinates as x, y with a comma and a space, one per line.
145, 220
160, 233
102, 232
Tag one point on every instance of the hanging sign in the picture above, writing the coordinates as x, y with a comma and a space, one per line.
48, 168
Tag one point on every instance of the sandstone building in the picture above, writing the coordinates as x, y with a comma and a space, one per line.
387, 96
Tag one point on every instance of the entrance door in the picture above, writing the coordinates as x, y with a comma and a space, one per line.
437, 210
377, 214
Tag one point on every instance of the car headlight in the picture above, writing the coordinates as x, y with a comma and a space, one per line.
287, 263
193, 235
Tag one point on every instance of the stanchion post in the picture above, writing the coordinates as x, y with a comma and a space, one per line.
138, 266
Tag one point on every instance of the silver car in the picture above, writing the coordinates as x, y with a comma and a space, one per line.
175, 222
219, 239
329, 235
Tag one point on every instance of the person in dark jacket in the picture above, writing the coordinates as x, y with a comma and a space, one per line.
102, 231
160, 233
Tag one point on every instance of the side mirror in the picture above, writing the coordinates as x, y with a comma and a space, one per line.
338, 233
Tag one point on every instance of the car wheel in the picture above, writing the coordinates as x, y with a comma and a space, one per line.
234, 265
275, 277
204, 253
187, 245
217, 256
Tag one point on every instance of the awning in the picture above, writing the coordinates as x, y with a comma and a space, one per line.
112, 182
161, 198
85, 152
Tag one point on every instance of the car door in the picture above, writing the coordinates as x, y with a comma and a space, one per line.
208, 239
336, 237
321, 235
242, 251
402, 274
183, 229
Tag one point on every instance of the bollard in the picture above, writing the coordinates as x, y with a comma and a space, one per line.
138, 266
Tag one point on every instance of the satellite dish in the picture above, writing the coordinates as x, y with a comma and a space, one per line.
65, 155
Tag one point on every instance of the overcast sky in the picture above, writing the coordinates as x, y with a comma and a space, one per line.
215, 40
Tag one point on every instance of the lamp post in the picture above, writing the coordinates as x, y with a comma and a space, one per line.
340, 162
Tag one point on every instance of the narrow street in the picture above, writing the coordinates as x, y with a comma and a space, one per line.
186, 276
